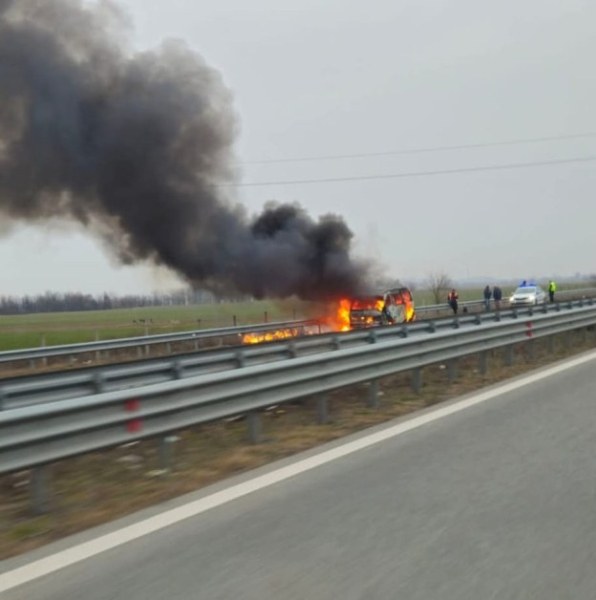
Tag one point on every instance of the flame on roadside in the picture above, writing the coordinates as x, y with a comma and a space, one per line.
343, 314
339, 319
268, 336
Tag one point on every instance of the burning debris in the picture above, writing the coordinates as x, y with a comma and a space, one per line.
137, 147
337, 318
269, 336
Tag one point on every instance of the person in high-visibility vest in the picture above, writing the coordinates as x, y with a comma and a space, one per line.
452, 298
552, 288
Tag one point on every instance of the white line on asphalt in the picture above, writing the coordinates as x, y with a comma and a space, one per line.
85, 550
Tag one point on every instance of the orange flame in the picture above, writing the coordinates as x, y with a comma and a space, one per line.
343, 315
268, 336
338, 318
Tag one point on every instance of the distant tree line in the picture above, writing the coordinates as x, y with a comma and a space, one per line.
59, 302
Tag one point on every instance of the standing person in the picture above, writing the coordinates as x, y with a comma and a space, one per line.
487, 294
497, 295
452, 299
552, 288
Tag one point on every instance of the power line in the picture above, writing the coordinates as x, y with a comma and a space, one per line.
553, 138
543, 163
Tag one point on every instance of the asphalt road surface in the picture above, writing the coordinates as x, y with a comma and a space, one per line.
496, 501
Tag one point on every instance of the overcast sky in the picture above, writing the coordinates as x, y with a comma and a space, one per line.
329, 78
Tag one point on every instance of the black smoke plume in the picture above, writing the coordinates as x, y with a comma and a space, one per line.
136, 146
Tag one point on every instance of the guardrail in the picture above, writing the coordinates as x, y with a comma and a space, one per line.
141, 342
42, 433
44, 388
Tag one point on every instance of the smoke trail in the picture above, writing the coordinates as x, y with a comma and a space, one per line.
134, 146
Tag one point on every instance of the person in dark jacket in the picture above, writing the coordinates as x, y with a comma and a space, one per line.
487, 295
452, 298
497, 296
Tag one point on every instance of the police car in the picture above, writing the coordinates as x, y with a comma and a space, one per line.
528, 294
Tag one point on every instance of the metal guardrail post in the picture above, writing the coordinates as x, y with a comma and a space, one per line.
322, 409
99, 382
254, 423
98, 352
417, 380
177, 370
40, 498
44, 360
146, 335
240, 359
373, 394
483, 362
166, 446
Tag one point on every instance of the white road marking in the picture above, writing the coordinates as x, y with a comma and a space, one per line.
85, 550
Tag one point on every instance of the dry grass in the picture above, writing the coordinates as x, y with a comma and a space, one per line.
99, 487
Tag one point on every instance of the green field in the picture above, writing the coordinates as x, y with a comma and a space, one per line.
33, 330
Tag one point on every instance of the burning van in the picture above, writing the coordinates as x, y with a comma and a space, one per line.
366, 311
399, 305
389, 308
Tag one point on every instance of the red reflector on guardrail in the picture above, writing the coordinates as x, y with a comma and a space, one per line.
134, 425
133, 404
